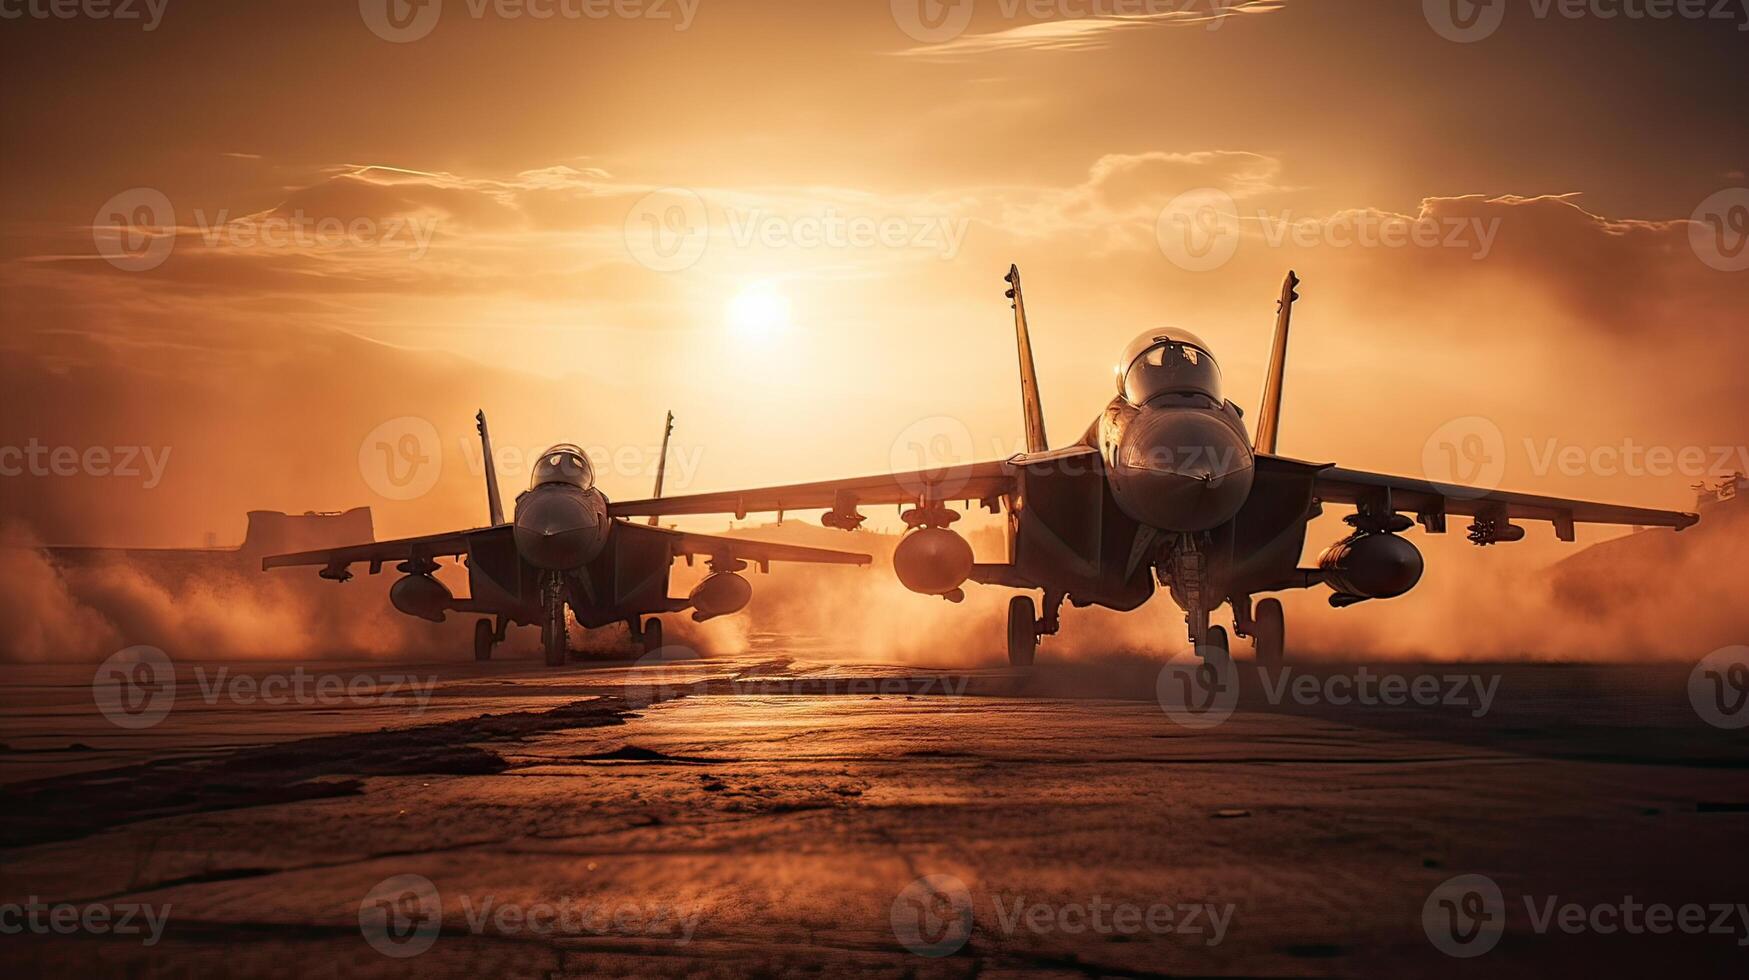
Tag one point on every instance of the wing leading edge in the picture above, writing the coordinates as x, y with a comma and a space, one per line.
1431, 502
985, 481
427, 548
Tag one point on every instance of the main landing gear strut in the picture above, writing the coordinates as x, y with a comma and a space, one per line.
1266, 627
488, 635
1024, 627
648, 637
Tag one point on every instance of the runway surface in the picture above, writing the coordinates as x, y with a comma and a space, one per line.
787, 810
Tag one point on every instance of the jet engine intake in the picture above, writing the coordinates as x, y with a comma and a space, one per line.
1367, 565
421, 596
933, 561
720, 594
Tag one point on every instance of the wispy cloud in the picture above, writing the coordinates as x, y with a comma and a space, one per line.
1090, 33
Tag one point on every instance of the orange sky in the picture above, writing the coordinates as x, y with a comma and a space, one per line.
464, 220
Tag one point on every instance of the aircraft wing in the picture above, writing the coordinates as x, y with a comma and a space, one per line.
760, 553
974, 481
1430, 502
427, 547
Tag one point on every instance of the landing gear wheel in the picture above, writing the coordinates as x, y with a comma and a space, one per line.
1022, 631
1269, 633
651, 637
1214, 649
553, 635
485, 638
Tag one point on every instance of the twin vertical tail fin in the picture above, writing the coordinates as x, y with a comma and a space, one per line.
1269, 419
1030, 405
662, 462
494, 503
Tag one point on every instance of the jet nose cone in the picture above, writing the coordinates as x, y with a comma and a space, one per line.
1182, 470
559, 527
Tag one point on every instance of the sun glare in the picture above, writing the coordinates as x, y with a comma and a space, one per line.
759, 312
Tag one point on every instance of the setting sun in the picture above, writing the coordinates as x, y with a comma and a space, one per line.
758, 312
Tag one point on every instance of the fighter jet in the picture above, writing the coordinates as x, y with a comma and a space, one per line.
1165, 486
562, 548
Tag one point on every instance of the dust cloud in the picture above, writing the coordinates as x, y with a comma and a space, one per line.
1651, 595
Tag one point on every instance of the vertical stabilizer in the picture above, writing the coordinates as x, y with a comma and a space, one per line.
662, 462
1269, 419
1030, 405
494, 503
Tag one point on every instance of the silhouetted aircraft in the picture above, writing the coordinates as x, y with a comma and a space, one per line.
1164, 485
562, 548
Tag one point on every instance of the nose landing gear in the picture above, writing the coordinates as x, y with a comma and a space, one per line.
554, 635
